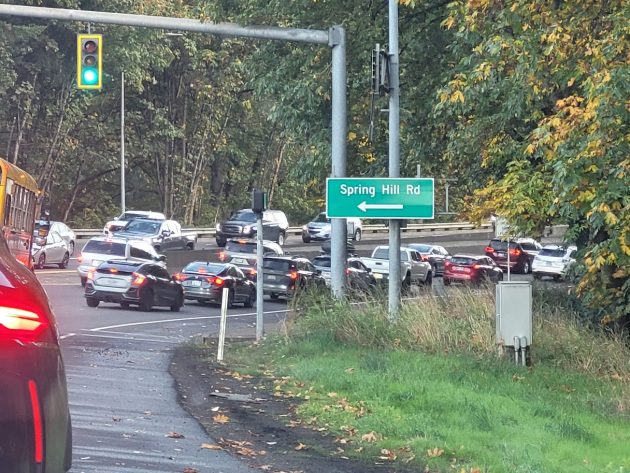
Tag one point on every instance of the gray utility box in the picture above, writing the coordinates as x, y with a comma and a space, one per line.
514, 313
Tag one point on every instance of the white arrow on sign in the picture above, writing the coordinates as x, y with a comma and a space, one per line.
364, 206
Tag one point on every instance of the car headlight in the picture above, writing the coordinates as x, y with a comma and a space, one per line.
247, 228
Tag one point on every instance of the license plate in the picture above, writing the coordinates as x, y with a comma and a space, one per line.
238, 261
459, 268
501, 255
270, 277
111, 282
191, 283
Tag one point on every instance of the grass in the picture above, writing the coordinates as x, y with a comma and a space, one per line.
435, 393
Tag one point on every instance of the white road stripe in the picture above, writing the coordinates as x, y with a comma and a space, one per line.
131, 338
67, 335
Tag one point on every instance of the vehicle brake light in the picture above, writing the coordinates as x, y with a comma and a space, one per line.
38, 431
180, 276
22, 325
252, 272
222, 256
489, 249
425, 258
515, 252
476, 266
139, 280
80, 259
293, 275
447, 265
217, 281
113, 270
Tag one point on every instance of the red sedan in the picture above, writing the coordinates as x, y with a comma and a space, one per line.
472, 269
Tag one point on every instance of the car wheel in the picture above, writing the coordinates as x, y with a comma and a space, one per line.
526, 267
83, 281
179, 302
274, 297
406, 282
64, 261
281, 239
41, 261
429, 280
251, 300
190, 246
91, 302
221, 242
146, 301
306, 239
71, 248
124, 305
357, 235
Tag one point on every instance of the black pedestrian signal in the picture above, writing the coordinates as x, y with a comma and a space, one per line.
89, 61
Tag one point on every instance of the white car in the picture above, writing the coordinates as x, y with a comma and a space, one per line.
553, 261
44, 227
119, 222
319, 229
100, 249
51, 249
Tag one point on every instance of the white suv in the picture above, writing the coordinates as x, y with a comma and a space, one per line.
553, 261
119, 222
320, 228
100, 249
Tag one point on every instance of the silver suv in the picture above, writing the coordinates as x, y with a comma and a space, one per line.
100, 249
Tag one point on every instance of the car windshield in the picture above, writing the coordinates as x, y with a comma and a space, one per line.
203, 267
554, 252
105, 248
244, 216
130, 215
241, 247
383, 253
322, 262
143, 226
422, 248
501, 245
321, 218
277, 265
463, 260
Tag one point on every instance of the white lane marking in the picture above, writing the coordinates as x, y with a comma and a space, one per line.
130, 333
67, 335
149, 322
130, 338
61, 284
43, 272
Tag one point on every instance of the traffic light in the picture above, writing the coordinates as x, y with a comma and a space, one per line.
89, 61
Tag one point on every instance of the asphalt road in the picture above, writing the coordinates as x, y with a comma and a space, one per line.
122, 399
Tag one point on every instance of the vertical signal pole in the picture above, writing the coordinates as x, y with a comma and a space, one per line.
122, 141
394, 160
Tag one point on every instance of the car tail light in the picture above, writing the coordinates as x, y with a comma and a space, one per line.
252, 272
489, 249
425, 258
515, 252
293, 275
222, 256
21, 324
90, 275
447, 265
80, 259
476, 266
180, 276
38, 431
216, 280
139, 280
113, 270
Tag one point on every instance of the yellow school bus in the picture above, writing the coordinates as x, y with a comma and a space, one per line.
19, 206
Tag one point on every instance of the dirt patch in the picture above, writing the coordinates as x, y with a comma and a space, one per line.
257, 426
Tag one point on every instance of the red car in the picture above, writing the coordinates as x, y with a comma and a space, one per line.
472, 269
35, 431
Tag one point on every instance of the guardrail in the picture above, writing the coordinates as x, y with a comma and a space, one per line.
205, 232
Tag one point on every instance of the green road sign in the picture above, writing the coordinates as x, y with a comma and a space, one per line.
386, 197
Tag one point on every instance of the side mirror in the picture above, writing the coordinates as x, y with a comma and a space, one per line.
160, 258
166, 233
368, 270
318, 272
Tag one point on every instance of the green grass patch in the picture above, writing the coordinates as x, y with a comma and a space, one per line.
435, 393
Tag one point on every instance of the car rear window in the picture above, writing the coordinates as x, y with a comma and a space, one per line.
500, 245
421, 248
118, 267
555, 252
203, 267
463, 260
278, 265
322, 262
143, 226
105, 248
244, 247
383, 253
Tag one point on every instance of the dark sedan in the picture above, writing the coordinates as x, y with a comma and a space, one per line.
145, 284
471, 269
284, 276
204, 282
35, 431
434, 254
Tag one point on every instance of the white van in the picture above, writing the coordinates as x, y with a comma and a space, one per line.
319, 229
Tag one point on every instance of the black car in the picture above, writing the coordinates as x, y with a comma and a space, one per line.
35, 430
242, 253
521, 253
284, 276
145, 284
204, 282
434, 254
358, 276
242, 224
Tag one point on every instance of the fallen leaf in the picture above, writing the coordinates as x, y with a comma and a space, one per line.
191, 470
436, 452
211, 446
175, 435
349, 370
371, 437
215, 409
300, 446
221, 419
387, 454
332, 394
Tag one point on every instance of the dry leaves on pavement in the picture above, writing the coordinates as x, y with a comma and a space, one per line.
300, 446
211, 446
175, 435
221, 419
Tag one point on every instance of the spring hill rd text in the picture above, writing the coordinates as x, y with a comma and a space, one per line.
385, 189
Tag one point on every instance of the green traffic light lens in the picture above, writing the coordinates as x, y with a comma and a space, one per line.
90, 76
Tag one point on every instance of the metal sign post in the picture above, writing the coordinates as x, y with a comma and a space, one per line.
260, 332
225, 295
335, 38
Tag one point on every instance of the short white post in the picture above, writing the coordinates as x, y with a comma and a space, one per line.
224, 308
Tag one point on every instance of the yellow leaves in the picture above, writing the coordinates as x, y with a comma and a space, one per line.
435, 452
586, 195
387, 454
449, 22
530, 149
571, 82
300, 446
611, 218
370, 437
457, 96
592, 168
221, 419
352, 136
